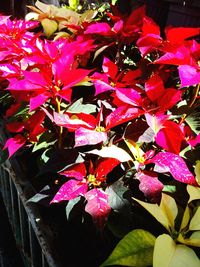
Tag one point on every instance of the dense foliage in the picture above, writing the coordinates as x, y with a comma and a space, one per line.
109, 104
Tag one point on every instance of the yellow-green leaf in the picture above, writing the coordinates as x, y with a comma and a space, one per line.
156, 212
185, 219
135, 249
169, 208
194, 239
195, 221
197, 171
194, 192
49, 26
73, 4
168, 254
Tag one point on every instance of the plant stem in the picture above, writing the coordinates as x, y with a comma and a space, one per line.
60, 128
191, 103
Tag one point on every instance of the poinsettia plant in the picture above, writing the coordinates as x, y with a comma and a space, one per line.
116, 101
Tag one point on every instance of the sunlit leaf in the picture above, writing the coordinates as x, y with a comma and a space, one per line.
168, 254
185, 219
50, 26
195, 221
112, 152
193, 240
193, 120
73, 4
169, 208
194, 193
197, 171
116, 197
135, 249
156, 212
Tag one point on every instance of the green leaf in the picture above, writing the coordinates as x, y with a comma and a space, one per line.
156, 212
49, 26
114, 2
73, 4
78, 107
195, 221
194, 193
168, 254
193, 120
45, 141
71, 205
169, 208
3, 155
116, 198
135, 249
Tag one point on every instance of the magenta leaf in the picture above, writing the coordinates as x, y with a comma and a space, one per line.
70, 190
175, 165
14, 143
170, 137
129, 96
189, 75
97, 206
98, 28
109, 68
85, 136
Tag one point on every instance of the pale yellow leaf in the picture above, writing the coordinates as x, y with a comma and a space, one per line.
156, 212
197, 171
194, 239
49, 26
194, 192
195, 221
185, 219
169, 208
168, 254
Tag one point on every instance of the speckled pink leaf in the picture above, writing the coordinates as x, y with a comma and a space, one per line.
175, 165
14, 143
97, 206
149, 184
71, 189
85, 137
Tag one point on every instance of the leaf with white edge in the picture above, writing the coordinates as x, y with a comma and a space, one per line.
197, 171
168, 254
97, 206
185, 219
135, 249
193, 240
194, 193
49, 26
112, 152
169, 208
195, 221
156, 212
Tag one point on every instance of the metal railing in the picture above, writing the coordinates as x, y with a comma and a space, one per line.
33, 237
